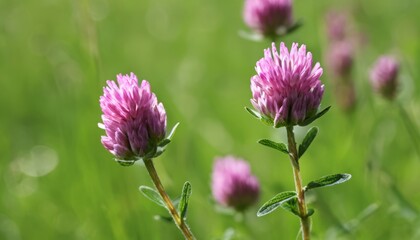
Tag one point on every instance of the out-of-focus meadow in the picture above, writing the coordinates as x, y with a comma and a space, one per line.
58, 182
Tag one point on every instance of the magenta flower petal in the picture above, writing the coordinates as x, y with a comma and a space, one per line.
232, 183
383, 76
287, 89
133, 120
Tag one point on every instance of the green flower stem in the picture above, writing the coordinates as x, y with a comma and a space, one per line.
170, 206
305, 221
244, 226
411, 129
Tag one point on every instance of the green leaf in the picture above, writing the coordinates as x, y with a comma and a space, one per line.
172, 132
267, 121
310, 212
185, 196
275, 202
167, 219
329, 180
291, 205
315, 117
125, 163
158, 152
254, 113
161, 147
310, 136
295, 26
152, 194
154, 153
278, 146
260, 117
252, 36
175, 202
164, 142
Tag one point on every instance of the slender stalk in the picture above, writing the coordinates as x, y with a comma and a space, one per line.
305, 221
244, 226
180, 223
411, 129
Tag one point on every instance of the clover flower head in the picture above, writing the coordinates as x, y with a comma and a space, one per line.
336, 25
233, 185
133, 120
269, 17
340, 58
287, 89
383, 76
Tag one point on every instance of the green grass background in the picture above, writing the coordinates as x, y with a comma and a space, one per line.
55, 57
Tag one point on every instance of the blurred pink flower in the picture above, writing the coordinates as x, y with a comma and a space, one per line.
133, 119
383, 76
269, 17
340, 58
287, 89
232, 183
336, 25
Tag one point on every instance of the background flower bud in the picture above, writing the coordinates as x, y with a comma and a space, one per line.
383, 76
269, 17
340, 58
232, 183
336, 25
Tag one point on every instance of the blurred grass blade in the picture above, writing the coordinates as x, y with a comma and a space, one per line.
229, 234
275, 202
356, 223
411, 129
329, 180
152, 194
278, 146
310, 136
185, 197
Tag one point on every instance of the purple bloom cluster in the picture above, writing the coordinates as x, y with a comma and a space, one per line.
268, 17
232, 183
383, 76
336, 26
133, 119
341, 51
287, 89
340, 59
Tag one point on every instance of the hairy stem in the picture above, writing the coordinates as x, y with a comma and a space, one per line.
170, 206
305, 222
